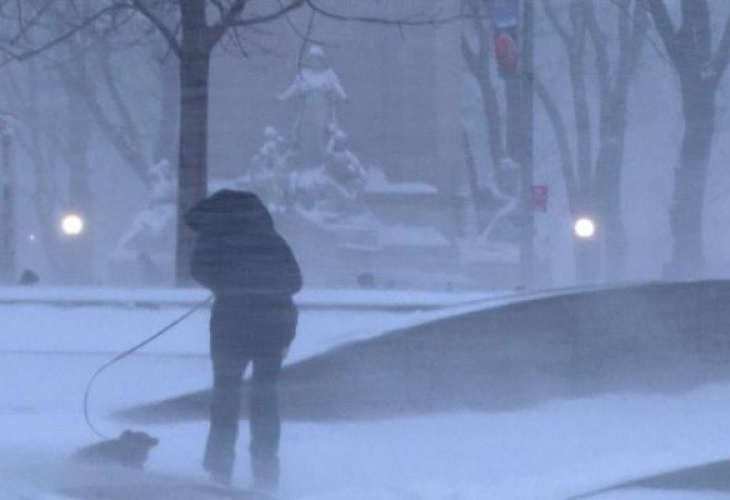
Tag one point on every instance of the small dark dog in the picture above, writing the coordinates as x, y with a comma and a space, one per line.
130, 449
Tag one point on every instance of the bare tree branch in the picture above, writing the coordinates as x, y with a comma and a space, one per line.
121, 142
631, 45
161, 26
26, 25
132, 131
552, 15
602, 63
561, 137
265, 18
227, 20
478, 64
696, 21
221, 8
665, 27
469, 57
298, 32
722, 55
305, 39
90, 20
576, 56
409, 21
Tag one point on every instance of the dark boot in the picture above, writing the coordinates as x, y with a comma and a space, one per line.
265, 424
265, 471
220, 449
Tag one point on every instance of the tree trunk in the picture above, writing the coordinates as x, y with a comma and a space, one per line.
192, 160
167, 132
43, 160
687, 260
587, 261
527, 245
78, 250
608, 181
632, 29
608, 184
7, 207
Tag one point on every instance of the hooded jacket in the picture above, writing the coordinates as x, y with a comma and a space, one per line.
238, 252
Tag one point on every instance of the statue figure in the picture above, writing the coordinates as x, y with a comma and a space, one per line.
509, 171
145, 252
334, 189
343, 166
317, 90
162, 182
267, 171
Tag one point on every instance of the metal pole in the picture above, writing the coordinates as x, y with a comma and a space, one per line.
527, 243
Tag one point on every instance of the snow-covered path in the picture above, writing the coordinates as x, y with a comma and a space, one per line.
546, 452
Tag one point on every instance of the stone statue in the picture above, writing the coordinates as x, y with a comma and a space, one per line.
267, 172
343, 166
145, 252
509, 171
317, 91
162, 182
334, 190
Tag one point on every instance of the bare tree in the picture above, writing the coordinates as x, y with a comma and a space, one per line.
192, 33
78, 251
700, 71
593, 179
121, 112
509, 127
38, 138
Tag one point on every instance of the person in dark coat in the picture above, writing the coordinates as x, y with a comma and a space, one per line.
252, 271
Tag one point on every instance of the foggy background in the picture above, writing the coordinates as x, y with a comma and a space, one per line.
410, 98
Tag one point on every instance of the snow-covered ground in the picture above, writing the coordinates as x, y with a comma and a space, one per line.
360, 299
547, 452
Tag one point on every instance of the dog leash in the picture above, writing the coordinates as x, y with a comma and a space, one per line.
131, 351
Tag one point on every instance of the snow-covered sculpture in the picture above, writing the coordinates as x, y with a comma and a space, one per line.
145, 252
342, 165
267, 173
509, 198
317, 91
162, 182
335, 189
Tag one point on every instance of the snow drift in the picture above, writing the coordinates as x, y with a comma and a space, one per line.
649, 338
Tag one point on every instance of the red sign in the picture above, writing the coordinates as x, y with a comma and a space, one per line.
539, 198
506, 51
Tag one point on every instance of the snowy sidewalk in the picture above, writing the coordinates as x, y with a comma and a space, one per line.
547, 452
308, 299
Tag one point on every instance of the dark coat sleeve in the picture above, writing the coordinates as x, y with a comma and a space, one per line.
240, 264
207, 264
289, 272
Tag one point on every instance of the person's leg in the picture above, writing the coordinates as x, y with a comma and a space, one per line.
225, 405
265, 425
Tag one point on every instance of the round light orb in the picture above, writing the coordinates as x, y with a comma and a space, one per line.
584, 228
72, 224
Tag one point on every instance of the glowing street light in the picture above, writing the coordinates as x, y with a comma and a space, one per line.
584, 228
72, 224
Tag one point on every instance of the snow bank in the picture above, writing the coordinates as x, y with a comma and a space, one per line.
509, 354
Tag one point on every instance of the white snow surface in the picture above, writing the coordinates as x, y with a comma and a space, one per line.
546, 452
306, 298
